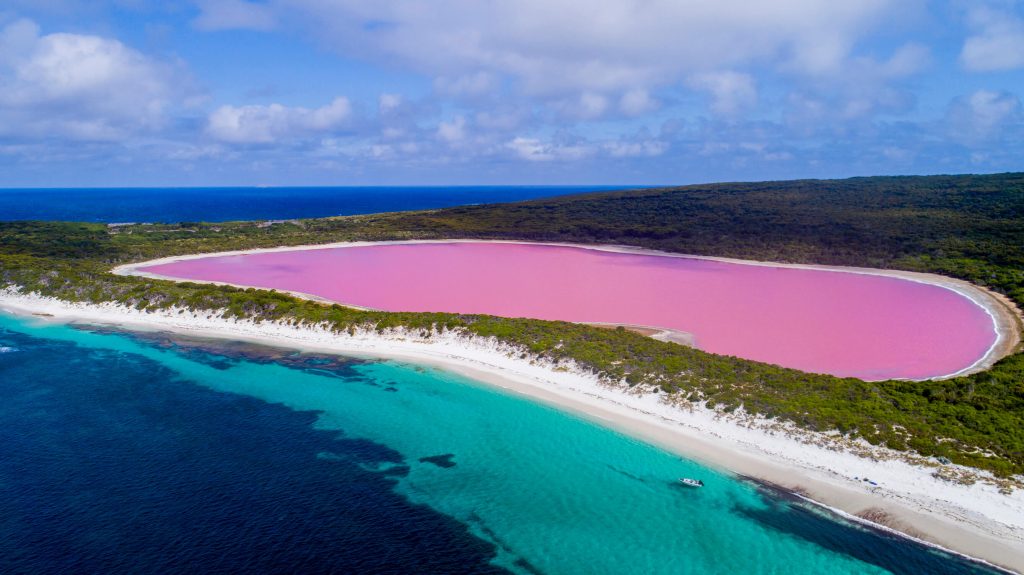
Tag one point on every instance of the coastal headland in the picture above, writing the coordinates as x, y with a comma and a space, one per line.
954, 507
938, 459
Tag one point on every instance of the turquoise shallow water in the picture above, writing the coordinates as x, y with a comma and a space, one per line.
462, 472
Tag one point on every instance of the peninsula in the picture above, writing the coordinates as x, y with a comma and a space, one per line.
945, 457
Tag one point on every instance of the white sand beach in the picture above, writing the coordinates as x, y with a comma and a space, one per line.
958, 508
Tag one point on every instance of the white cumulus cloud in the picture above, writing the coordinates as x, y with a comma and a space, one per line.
731, 92
388, 103
997, 42
636, 102
983, 115
453, 132
275, 123
81, 86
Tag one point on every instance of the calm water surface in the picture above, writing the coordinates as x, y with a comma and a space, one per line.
845, 324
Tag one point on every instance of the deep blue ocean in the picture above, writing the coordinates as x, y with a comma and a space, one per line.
230, 204
152, 453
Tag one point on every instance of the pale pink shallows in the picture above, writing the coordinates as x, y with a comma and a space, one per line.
845, 324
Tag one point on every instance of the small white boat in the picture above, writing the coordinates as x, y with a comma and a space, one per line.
691, 482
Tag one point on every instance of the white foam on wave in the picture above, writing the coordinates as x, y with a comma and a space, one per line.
5, 349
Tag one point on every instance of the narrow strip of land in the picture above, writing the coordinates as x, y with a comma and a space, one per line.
918, 497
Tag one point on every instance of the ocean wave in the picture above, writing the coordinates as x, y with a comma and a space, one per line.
5, 349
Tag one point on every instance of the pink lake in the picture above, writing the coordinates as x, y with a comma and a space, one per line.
846, 324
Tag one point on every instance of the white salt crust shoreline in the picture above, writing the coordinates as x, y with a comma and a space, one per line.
1007, 320
976, 520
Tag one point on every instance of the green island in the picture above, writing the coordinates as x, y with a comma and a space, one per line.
967, 227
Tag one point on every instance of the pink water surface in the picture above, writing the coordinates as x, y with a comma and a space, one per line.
845, 324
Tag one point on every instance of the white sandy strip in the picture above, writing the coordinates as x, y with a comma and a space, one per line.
976, 520
1006, 319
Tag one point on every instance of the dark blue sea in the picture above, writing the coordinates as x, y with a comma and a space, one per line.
152, 453
230, 204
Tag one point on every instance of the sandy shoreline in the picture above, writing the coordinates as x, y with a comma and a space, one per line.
976, 520
1007, 320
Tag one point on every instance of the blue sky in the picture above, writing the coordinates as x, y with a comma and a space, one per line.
389, 92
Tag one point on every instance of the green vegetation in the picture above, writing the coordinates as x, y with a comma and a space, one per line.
971, 227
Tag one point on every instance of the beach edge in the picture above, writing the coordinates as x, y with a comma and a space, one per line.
974, 520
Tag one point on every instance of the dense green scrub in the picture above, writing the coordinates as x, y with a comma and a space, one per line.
971, 227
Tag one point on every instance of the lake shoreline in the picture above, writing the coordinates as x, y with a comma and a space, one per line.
974, 520
1007, 320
